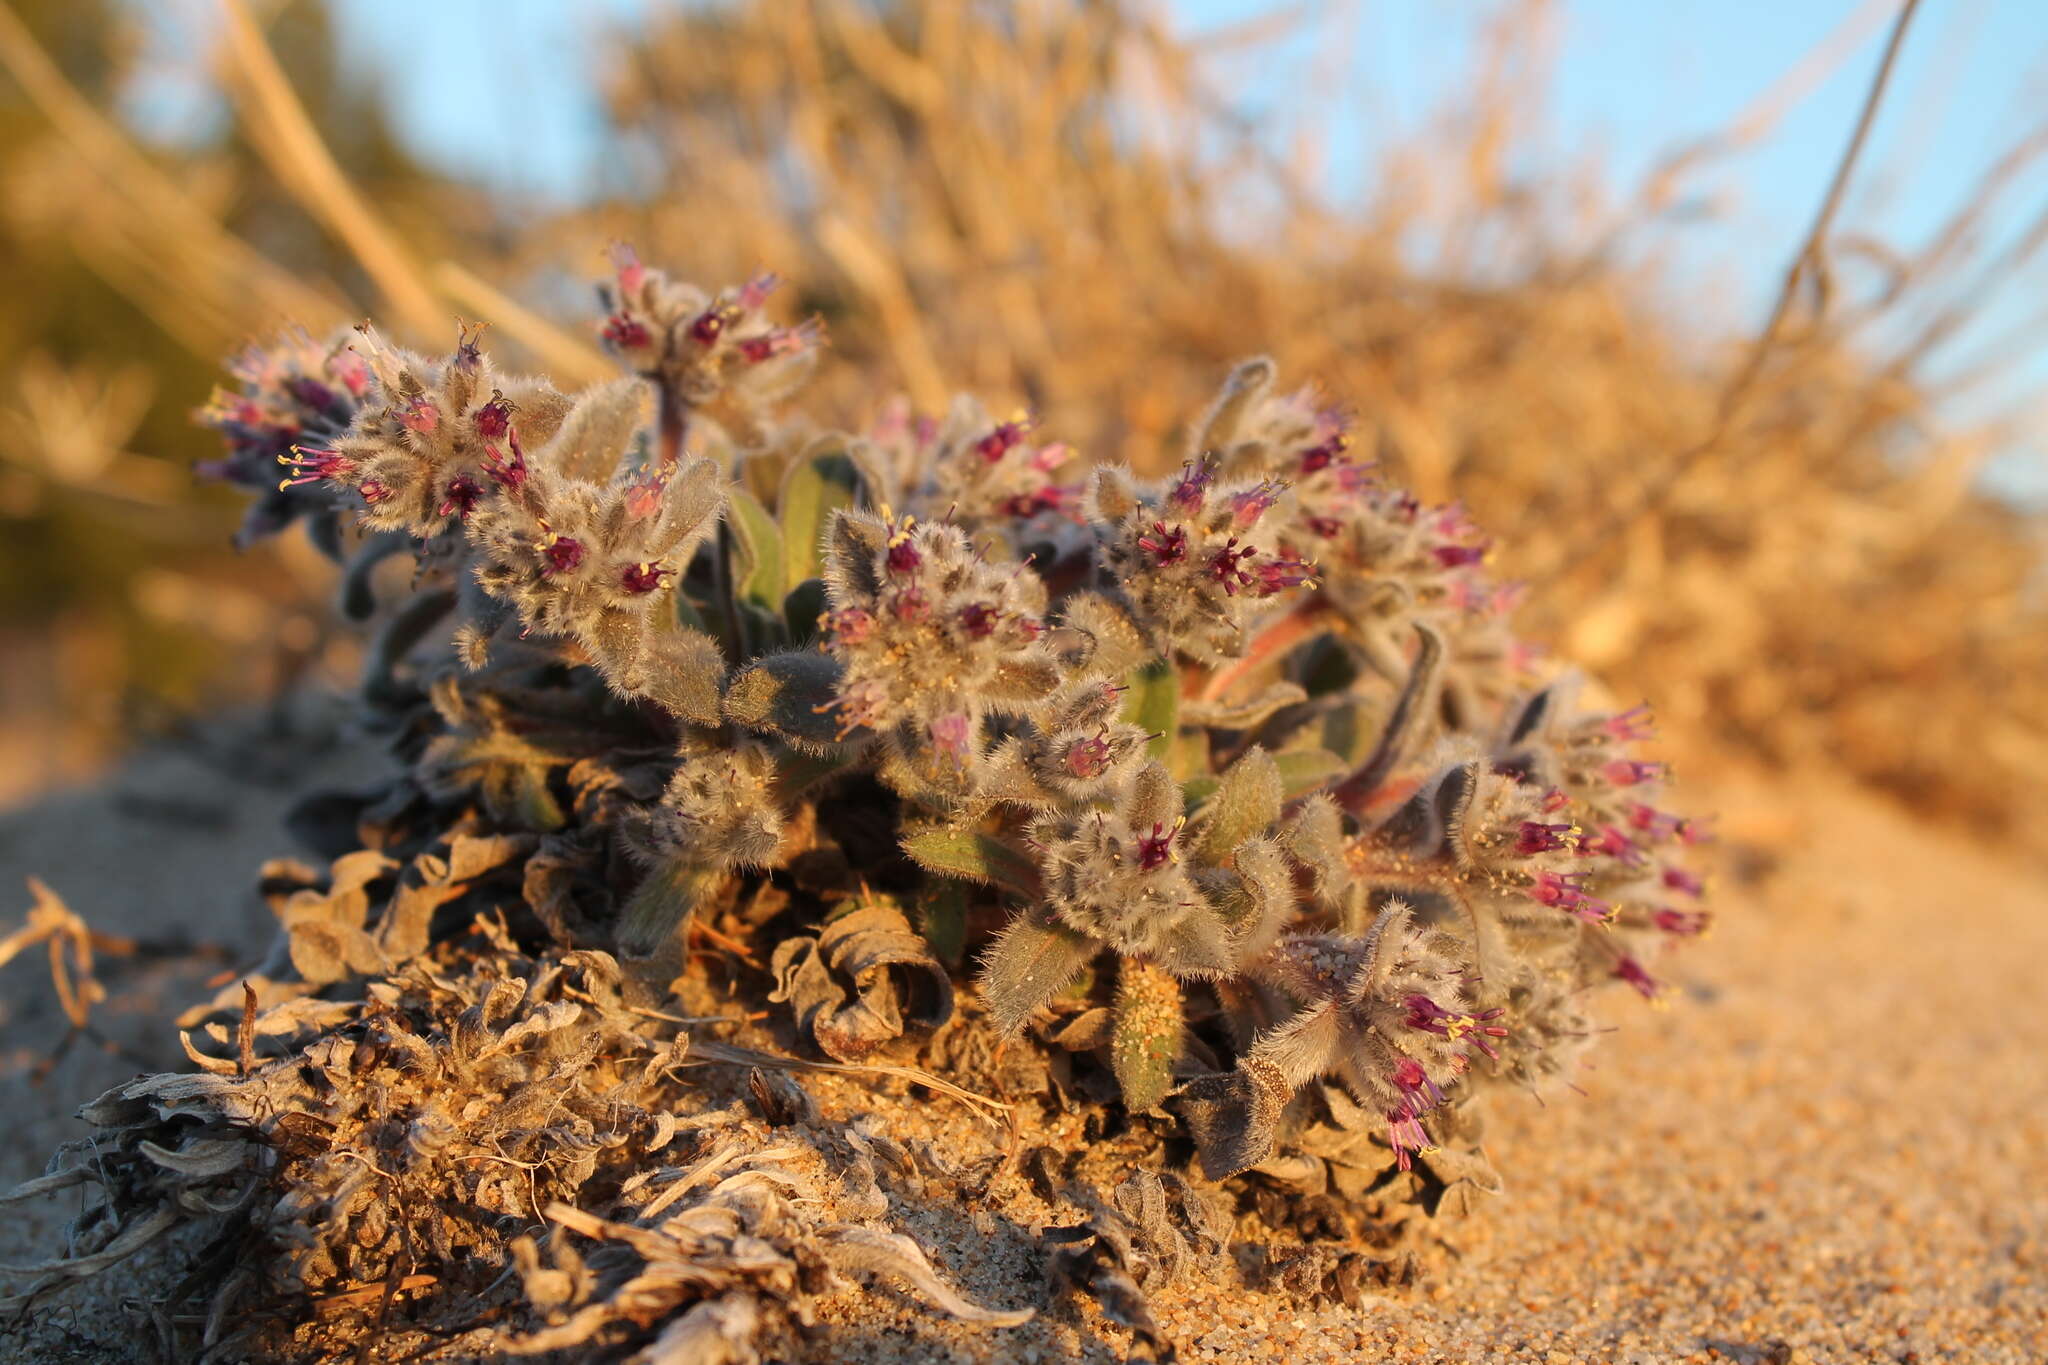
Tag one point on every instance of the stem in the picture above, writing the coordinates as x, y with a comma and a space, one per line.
1300, 624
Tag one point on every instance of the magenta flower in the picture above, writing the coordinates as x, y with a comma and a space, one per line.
1633, 972
1683, 881
1563, 891
1425, 1014
562, 553
1166, 546
1629, 772
461, 498
1535, 836
1156, 849
312, 465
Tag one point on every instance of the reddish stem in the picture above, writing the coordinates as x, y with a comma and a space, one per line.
1302, 623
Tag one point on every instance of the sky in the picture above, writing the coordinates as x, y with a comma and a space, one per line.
504, 93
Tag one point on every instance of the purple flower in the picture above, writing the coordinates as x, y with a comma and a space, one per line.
461, 498
1165, 546
1562, 891
1156, 849
562, 553
1629, 772
309, 464
1535, 836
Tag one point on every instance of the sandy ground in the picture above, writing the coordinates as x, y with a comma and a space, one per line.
1832, 1147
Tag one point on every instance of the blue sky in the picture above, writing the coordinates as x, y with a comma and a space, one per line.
503, 92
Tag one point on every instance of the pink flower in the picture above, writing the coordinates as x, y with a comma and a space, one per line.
1655, 823
709, 326
849, 625
1629, 772
632, 274
1226, 566
562, 553
1191, 489
1418, 1091
902, 556
462, 496
1458, 556
1004, 439
627, 332
1681, 923
1282, 572
641, 579
1634, 724
1633, 972
910, 604
420, 415
1405, 1134
1156, 849
1087, 758
1248, 506
1563, 891
309, 464
755, 292
1535, 836
1165, 546
1320, 457
1612, 843
1425, 1014
507, 471
1680, 880
494, 418
979, 620
950, 735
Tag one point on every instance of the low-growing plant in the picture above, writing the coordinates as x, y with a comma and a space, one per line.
1235, 783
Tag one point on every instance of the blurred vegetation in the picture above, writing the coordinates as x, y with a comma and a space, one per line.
1055, 205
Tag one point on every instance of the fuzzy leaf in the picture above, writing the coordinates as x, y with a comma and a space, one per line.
758, 579
1031, 961
789, 694
802, 608
972, 856
1153, 704
1232, 1116
658, 912
1301, 771
942, 917
1245, 805
1146, 1043
812, 490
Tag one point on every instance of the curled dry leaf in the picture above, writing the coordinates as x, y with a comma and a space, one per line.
865, 980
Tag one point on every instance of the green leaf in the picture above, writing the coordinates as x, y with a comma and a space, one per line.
660, 908
757, 572
790, 694
1032, 961
1146, 1043
1153, 705
812, 491
1301, 772
1245, 805
942, 915
802, 608
974, 856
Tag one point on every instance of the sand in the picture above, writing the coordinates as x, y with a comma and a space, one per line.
1831, 1147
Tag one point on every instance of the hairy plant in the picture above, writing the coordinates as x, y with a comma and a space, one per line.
1242, 762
